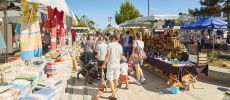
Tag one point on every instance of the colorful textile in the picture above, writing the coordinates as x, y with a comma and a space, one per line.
18, 28
60, 16
62, 36
46, 93
51, 22
29, 33
30, 41
2, 42
53, 38
43, 17
74, 35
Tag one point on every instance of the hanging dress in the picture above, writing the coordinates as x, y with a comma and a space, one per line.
30, 37
2, 41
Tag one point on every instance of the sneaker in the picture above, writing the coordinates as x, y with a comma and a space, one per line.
138, 83
142, 80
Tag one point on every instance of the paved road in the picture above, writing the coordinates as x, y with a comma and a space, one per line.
154, 88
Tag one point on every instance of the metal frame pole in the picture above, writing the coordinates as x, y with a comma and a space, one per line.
5, 34
148, 7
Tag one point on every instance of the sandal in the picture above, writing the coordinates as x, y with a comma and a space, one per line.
112, 98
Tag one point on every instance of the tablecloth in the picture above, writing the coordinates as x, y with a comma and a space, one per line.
179, 71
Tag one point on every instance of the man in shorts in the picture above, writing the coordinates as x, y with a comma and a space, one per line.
127, 46
113, 57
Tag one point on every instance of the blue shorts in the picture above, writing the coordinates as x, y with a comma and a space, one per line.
140, 62
126, 49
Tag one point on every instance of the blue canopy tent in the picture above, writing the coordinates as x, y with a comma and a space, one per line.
206, 23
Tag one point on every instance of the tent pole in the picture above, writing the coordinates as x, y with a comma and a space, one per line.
148, 8
5, 32
213, 44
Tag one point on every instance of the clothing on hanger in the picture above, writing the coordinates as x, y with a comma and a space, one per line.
2, 41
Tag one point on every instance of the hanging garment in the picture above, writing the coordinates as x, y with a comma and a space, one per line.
2, 42
29, 33
43, 17
17, 28
62, 36
51, 22
53, 36
74, 35
30, 41
60, 16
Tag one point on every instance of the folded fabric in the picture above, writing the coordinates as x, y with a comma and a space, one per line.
46, 93
5, 88
29, 98
30, 77
8, 95
38, 71
22, 87
52, 82
22, 90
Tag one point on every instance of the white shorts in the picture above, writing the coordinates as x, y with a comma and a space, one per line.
113, 73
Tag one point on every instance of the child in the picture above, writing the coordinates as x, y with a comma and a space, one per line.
124, 72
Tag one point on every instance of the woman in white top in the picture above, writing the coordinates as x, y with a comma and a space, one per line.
101, 51
138, 43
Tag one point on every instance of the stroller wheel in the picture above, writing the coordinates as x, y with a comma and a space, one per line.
89, 80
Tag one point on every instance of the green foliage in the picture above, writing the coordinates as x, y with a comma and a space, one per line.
84, 21
209, 8
109, 25
213, 55
127, 12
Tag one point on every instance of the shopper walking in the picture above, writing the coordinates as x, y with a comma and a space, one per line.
124, 72
126, 47
113, 57
101, 51
88, 49
138, 44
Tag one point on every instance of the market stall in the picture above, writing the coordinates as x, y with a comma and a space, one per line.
166, 50
31, 73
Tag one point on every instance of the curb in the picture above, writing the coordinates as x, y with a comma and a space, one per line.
219, 74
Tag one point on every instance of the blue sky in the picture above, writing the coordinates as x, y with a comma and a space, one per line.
100, 10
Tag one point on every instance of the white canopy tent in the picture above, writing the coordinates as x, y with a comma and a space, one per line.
59, 4
111, 28
187, 18
147, 21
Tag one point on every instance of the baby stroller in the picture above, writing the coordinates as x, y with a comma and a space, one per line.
131, 70
89, 71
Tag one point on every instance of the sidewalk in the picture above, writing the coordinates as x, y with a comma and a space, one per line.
154, 88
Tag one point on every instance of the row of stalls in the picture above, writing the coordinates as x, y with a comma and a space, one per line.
35, 43
180, 52
171, 24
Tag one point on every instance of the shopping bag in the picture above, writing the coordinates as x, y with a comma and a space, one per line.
138, 54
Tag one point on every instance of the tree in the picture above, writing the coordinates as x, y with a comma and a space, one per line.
84, 21
91, 24
127, 12
209, 8
109, 25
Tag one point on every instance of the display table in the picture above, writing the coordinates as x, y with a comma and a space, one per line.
44, 79
179, 71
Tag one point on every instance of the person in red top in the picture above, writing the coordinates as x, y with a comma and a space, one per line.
74, 35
